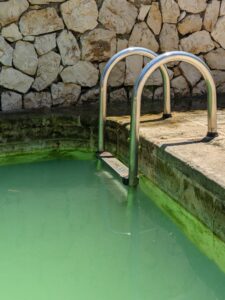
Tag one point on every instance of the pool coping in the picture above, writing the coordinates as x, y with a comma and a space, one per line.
164, 158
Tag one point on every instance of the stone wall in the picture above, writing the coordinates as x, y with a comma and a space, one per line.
53, 51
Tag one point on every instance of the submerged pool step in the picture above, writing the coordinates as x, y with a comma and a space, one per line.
117, 166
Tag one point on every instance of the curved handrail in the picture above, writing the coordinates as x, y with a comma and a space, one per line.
104, 80
136, 102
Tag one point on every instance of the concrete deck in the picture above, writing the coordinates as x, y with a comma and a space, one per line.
176, 155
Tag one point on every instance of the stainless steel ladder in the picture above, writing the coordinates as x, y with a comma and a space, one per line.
130, 175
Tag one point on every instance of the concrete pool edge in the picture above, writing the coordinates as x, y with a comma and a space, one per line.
199, 234
194, 189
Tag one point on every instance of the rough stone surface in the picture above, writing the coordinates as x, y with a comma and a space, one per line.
48, 70
193, 6
144, 9
142, 36
90, 96
218, 31
11, 101
118, 15
45, 43
180, 86
6, 52
156, 78
199, 89
119, 95
222, 8
191, 74
169, 39
80, 15
65, 94
25, 58
10, 11
15, 80
68, 47
11, 33
134, 66
197, 42
211, 15
37, 100
170, 11
83, 73
154, 19
98, 45
117, 74
41, 21
216, 59
190, 24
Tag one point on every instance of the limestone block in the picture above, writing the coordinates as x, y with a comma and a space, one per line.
191, 74
118, 15
193, 6
139, 3
80, 16
142, 36
159, 93
48, 70
216, 59
6, 52
143, 11
119, 95
180, 86
211, 15
11, 33
134, 66
117, 75
98, 45
37, 100
199, 89
45, 43
68, 48
11, 101
154, 19
170, 11
82, 73
121, 44
197, 42
218, 31
190, 24
10, 11
169, 39
15, 80
156, 78
219, 77
36, 22
91, 96
25, 57
222, 8
34, 2
65, 94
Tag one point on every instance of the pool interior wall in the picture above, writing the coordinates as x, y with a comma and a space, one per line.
70, 229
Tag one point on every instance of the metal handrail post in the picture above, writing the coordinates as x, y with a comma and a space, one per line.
136, 102
104, 80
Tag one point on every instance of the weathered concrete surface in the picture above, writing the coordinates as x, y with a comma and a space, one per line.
175, 155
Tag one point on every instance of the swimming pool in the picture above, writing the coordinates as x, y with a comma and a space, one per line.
70, 230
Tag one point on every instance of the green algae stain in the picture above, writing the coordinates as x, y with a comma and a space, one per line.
44, 155
196, 231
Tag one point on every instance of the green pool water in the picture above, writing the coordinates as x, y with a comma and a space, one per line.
70, 230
